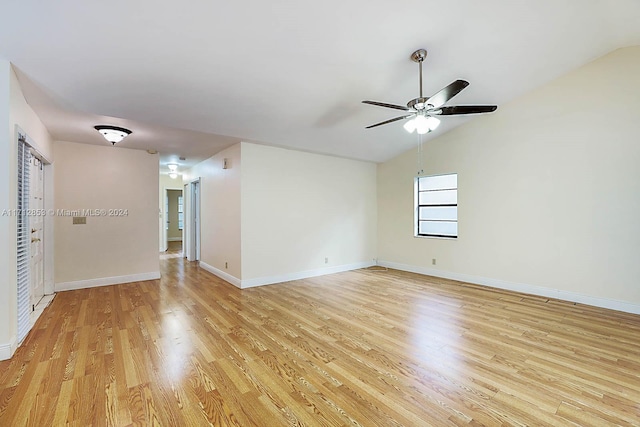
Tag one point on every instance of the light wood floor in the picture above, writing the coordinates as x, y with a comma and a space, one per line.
361, 348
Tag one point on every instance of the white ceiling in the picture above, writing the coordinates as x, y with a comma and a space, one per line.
288, 73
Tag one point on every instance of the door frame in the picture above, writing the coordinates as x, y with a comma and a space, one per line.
48, 246
36, 224
165, 216
192, 196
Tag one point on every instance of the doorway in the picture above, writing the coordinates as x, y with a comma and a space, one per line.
174, 219
34, 239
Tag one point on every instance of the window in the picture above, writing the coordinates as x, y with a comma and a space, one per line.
180, 213
436, 206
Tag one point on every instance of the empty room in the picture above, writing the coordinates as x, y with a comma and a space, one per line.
320, 214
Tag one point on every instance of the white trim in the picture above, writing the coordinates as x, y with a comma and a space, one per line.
105, 281
7, 350
560, 294
221, 274
268, 280
49, 247
174, 239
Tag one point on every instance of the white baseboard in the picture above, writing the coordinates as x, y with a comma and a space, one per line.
611, 304
105, 281
7, 350
269, 280
221, 274
174, 239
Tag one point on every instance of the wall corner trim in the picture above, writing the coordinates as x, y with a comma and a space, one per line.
106, 281
268, 280
7, 349
610, 304
221, 274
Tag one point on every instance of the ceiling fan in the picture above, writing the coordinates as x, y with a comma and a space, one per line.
423, 110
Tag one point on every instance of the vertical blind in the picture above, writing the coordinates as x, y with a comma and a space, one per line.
24, 309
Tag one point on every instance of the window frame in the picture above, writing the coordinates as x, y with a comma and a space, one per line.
417, 206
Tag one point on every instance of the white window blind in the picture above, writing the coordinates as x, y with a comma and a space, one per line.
180, 213
436, 209
23, 241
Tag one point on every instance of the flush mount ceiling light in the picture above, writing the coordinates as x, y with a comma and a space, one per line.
112, 134
173, 170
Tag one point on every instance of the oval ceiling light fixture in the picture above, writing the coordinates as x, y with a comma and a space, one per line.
112, 134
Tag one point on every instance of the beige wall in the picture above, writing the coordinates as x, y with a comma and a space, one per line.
548, 190
14, 110
107, 247
23, 115
300, 208
276, 214
174, 233
220, 210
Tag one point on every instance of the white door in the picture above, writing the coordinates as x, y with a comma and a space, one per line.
36, 225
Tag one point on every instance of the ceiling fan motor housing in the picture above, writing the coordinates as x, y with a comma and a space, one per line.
419, 103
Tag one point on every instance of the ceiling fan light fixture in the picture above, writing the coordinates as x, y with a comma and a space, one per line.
112, 134
422, 124
410, 126
432, 123
422, 130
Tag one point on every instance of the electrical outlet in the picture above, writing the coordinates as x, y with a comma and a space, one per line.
226, 264
326, 260
433, 261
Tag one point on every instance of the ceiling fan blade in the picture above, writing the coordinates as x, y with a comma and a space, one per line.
447, 93
382, 104
395, 119
462, 109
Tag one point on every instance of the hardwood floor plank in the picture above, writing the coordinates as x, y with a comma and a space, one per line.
361, 348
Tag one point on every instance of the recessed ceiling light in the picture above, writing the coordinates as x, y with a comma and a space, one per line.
112, 134
152, 151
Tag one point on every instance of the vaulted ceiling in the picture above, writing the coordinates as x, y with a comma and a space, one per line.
190, 78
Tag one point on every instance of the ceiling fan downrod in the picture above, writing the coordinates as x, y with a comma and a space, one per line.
419, 56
